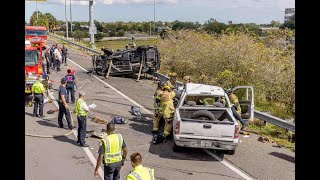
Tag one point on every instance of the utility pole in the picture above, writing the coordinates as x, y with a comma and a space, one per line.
70, 17
154, 16
65, 13
37, 8
91, 24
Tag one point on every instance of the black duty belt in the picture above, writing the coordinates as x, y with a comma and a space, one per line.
37, 93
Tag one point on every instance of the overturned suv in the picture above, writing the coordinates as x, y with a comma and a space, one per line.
127, 61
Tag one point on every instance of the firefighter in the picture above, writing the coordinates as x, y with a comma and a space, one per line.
167, 108
172, 81
139, 172
235, 107
157, 113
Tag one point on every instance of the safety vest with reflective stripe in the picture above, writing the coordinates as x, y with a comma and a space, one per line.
112, 148
37, 87
141, 173
79, 110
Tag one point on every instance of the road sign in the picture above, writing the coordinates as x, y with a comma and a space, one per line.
93, 30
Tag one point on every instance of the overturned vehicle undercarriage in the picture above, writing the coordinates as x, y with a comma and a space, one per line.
125, 62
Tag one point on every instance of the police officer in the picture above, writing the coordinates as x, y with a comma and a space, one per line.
157, 106
70, 86
235, 108
64, 51
63, 106
38, 91
82, 111
168, 109
139, 172
112, 152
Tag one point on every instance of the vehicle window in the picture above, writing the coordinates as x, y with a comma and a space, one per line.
205, 101
243, 94
36, 33
31, 58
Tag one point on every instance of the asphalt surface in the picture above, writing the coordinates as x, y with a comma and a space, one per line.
256, 159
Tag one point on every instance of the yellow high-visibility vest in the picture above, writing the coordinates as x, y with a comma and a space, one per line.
79, 110
141, 173
112, 148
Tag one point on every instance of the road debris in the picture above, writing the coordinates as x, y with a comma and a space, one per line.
52, 111
263, 139
99, 120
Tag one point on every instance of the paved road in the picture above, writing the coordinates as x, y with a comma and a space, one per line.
261, 161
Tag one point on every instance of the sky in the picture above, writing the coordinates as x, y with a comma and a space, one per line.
237, 11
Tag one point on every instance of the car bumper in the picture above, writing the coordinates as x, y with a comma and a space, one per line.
206, 144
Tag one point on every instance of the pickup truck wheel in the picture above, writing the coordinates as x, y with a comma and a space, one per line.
203, 115
231, 152
176, 148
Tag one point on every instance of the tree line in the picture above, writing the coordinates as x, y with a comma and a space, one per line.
118, 29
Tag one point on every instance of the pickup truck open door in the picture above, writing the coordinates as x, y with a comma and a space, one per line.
246, 99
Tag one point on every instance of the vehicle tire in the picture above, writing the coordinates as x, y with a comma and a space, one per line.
203, 115
176, 148
230, 152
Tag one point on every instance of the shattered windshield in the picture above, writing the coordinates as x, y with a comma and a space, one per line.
36, 33
31, 58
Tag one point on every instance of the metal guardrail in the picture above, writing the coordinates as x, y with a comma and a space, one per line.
74, 43
257, 114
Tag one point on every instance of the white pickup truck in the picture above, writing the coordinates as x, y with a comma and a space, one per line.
203, 120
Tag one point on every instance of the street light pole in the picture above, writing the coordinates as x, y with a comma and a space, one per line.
70, 17
91, 23
37, 8
154, 16
65, 13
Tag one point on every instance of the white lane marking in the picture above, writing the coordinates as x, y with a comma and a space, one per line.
137, 104
125, 96
86, 149
228, 165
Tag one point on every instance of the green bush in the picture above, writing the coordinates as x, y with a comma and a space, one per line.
233, 59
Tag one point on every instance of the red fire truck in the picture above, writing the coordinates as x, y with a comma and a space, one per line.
33, 63
38, 32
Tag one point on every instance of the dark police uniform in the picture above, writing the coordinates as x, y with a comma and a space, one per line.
62, 109
38, 88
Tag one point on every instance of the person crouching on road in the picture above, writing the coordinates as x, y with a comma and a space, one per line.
38, 91
63, 106
112, 152
139, 172
82, 111
70, 86
167, 109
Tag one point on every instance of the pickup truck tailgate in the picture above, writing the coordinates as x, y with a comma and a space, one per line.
216, 129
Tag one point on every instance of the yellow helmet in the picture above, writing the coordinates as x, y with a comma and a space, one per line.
173, 74
166, 87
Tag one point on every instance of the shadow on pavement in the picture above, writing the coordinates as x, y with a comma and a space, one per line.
67, 140
186, 171
283, 156
48, 123
143, 124
29, 114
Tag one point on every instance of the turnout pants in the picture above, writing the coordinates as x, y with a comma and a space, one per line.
82, 128
112, 171
168, 126
66, 112
38, 101
156, 120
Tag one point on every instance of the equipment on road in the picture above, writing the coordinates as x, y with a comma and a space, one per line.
118, 120
158, 138
126, 62
135, 111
